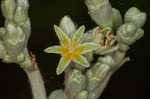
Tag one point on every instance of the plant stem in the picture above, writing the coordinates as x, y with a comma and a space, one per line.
36, 83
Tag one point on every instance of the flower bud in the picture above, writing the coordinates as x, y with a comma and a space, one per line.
21, 13
8, 59
106, 60
117, 18
8, 9
134, 15
14, 39
20, 57
96, 75
26, 60
129, 33
57, 94
83, 94
26, 27
76, 81
101, 12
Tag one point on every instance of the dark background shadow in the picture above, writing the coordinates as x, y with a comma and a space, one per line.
131, 82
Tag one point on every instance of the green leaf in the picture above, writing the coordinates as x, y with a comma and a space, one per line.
53, 49
63, 63
64, 39
81, 60
79, 33
88, 47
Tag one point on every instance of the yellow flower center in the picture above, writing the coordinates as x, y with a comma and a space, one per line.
71, 50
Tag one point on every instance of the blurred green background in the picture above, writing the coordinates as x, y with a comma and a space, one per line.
130, 82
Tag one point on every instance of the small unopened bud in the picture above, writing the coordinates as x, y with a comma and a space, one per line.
129, 33
8, 9
100, 12
14, 39
96, 75
76, 81
21, 13
117, 18
134, 15
82, 95
57, 94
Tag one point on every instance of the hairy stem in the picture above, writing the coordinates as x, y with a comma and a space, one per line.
37, 84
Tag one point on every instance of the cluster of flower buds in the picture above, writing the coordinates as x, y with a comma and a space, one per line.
131, 30
108, 39
15, 33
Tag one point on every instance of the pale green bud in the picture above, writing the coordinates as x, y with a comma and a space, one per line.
14, 39
134, 15
76, 81
27, 63
94, 4
107, 60
96, 75
26, 27
117, 18
8, 59
67, 25
139, 34
83, 94
21, 57
101, 12
129, 33
21, 13
57, 94
8, 9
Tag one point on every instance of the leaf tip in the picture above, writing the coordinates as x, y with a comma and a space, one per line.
87, 65
55, 27
58, 72
46, 50
83, 28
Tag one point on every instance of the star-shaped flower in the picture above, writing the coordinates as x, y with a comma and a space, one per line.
71, 49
